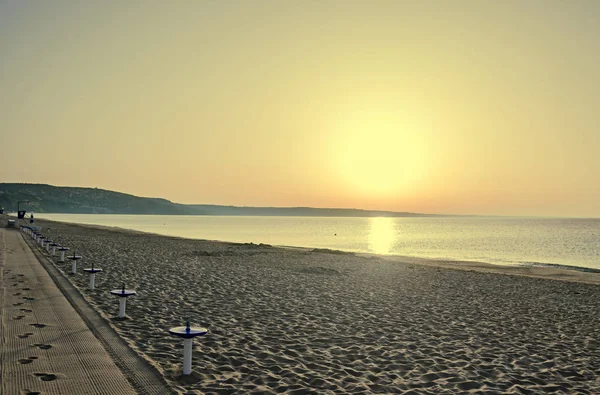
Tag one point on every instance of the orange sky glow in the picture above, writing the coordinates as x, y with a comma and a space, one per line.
462, 107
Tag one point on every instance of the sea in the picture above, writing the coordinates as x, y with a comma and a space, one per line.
573, 243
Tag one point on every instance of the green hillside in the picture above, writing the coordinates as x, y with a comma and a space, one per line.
51, 199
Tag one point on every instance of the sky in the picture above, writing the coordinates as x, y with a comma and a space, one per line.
459, 107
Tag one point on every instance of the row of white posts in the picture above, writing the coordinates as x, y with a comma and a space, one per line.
187, 332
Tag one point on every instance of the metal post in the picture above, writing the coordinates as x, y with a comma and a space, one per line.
92, 280
187, 356
122, 306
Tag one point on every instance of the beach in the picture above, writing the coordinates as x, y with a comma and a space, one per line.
52, 341
298, 321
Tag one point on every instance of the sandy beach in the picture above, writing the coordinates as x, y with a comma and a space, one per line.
299, 321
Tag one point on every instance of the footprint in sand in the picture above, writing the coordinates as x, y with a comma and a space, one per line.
29, 392
46, 376
25, 335
17, 294
26, 310
42, 346
26, 361
28, 298
18, 317
25, 289
39, 325
17, 304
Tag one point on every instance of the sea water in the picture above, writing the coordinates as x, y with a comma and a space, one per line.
498, 240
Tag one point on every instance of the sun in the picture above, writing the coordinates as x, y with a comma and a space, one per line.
381, 155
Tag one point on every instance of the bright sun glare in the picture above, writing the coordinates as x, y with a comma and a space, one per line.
381, 155
381, 235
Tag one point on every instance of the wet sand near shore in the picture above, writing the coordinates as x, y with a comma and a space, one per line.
285, 320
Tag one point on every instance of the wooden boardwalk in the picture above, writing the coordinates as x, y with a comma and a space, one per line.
46, 344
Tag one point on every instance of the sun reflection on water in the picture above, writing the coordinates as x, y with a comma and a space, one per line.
381, 235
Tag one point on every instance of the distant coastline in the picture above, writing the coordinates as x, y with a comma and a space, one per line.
44, 198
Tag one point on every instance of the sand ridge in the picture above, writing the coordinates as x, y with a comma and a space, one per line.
297, 321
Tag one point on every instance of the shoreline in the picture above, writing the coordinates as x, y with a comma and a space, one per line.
536, 270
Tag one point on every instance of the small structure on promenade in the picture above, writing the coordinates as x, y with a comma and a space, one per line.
41, 239
74, 258
48, 242
62, 253
92, 271
188, 333
123, 294
54, 245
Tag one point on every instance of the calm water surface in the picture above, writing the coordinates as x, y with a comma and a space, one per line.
572, 242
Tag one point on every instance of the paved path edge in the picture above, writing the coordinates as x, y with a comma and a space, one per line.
147, 380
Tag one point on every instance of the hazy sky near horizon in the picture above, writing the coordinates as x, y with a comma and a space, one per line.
466, 107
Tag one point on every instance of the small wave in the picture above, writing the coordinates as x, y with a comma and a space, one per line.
559, 266
330, 251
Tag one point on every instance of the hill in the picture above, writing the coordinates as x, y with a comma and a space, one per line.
50, 199
45, 198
